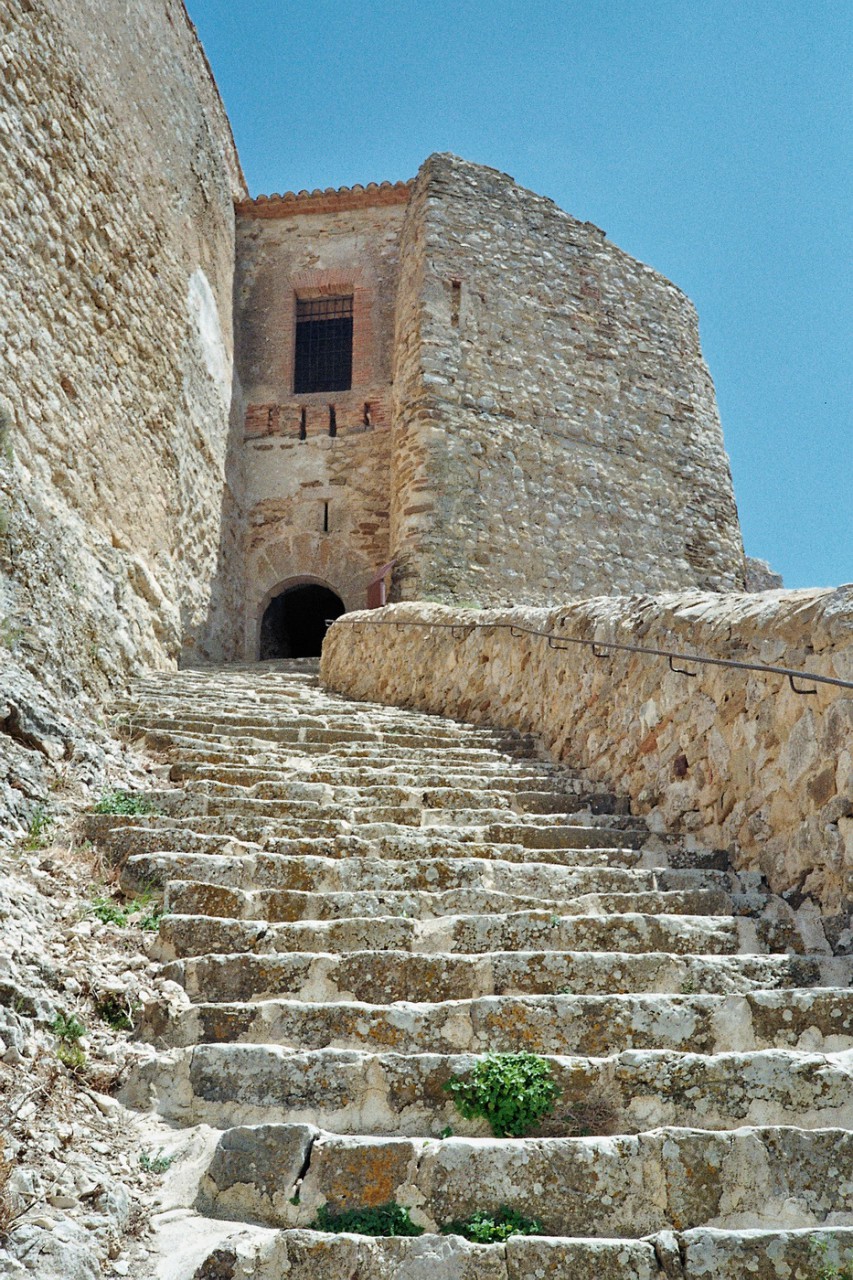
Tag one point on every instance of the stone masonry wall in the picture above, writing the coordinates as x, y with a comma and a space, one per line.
118, 177
735, 759
325, 244
556, 429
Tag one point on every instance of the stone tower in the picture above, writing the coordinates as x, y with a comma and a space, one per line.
522, 412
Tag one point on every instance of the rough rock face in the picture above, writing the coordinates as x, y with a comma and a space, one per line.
736, 759
76, 1180
119, 175
361, 902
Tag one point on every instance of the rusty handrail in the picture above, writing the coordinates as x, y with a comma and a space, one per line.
601, 648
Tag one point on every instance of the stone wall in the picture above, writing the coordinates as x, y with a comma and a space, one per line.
555, 428
734, 759
118, 176
318, 506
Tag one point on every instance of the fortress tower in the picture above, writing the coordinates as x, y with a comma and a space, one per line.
454, 377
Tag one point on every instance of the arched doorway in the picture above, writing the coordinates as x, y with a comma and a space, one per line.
294, 621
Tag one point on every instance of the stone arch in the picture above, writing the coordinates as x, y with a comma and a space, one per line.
293, 615
302, 558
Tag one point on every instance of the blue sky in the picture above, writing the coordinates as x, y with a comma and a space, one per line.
709, 138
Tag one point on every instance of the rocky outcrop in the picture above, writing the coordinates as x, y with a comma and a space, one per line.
732, 758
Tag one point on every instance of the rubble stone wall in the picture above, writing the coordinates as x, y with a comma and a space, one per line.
118, 515
735, 759
119, 175
556, 427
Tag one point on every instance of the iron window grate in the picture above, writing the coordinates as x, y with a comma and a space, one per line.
323, 345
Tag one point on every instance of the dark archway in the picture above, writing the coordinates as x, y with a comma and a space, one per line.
294, 622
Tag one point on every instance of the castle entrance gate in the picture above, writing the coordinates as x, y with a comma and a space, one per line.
294, 621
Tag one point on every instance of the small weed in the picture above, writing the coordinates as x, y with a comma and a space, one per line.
7, 426
125, 804
446, 1132
565, 991
10, 634
513, 1091
294, 1199
555, 921
145, 907
117, 1011
384, 1220
38, 832
155, 1163
688, 987
67, 1028
492, 1228
69, 1031
829, 1270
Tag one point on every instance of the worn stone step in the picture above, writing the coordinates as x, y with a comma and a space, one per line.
701, 1254
141, 870
308, 818
358, 1092
336, 875
627, 1185
193, 749
389, 798
270, 780
389, 976
182, 935
810, 1019
240, 729
282, 905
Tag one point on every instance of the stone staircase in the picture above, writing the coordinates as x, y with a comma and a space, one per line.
359, 900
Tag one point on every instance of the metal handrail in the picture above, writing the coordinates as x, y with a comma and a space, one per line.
602, 648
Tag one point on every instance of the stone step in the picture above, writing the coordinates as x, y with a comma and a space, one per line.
702, 1254
194, 897
627, 1185
387, 798
189, 935
272, 781
811, 1019
389, 976
342, 874
154, 868
303, 816
365, 1093
197, 749
238, 729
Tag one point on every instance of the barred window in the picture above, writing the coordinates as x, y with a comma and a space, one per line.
323, 345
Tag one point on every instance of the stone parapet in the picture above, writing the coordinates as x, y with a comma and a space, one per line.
732, 758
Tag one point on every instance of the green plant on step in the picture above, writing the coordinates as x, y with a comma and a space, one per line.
513, 1091
144, 911
125, 804
829, 1270
69, 1031
493, 1228
382, 1220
